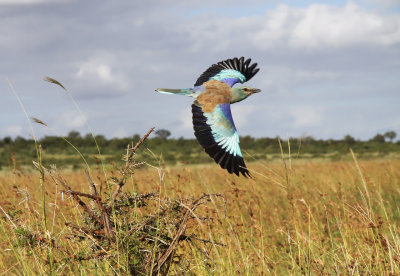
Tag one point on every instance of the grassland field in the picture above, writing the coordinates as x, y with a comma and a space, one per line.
293, 217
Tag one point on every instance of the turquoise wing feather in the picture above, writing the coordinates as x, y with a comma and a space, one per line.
216, 133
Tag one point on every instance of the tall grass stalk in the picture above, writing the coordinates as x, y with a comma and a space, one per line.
36, 120
51, 80
41, 173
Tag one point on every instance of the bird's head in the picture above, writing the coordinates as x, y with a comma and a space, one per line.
248, 90
242, 92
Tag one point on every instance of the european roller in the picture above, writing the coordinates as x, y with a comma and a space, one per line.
213, 124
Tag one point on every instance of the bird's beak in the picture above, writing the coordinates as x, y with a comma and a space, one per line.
256, 90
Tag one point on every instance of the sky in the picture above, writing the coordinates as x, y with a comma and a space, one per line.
327, 68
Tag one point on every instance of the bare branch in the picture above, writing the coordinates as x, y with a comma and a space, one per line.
128, 164
178, 236
58, 179
85, 229
91, 183
133, 150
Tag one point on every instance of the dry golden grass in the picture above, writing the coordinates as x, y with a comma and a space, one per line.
293, 217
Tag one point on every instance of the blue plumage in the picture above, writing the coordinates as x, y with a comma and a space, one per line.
226, 111
213, 123
223, 129
230, 77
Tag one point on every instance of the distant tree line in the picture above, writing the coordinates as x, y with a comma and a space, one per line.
21, 151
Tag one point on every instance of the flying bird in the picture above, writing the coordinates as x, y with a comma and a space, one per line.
212, 118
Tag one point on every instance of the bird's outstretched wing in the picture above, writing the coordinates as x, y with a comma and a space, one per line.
216, 133
230, 71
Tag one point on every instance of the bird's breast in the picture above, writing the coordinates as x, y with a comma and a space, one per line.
215, 93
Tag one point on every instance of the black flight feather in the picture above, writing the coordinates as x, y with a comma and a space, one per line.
235, 64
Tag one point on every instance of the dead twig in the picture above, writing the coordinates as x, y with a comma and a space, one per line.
104, 221
128, 164
91, 183
85, 229
133, 150
94, 197
194, 237
179, 233
104, 213
75, 195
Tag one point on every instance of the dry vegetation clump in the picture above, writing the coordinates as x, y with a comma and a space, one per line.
108, 232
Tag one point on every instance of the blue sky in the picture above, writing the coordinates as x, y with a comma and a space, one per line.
328, 68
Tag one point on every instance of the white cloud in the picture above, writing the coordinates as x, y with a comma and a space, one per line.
384, 3
93, 69
323, 25
306, 116
96, 70
318, 26
274, 27
73, 120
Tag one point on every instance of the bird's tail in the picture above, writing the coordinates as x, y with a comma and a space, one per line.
186, 91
